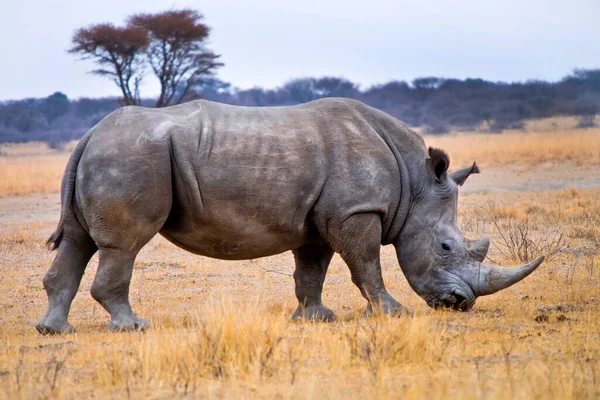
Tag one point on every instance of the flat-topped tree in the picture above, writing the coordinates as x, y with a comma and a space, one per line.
118, 51
177, 53
172, 43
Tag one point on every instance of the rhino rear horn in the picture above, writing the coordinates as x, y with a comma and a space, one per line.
478, 249
461, 175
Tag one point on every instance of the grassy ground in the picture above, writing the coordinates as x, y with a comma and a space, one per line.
222, 329
31, 168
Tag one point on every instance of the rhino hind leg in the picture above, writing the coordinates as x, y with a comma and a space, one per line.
119, 241
62, 282
358, 240
312, 261
111, 289
125, 203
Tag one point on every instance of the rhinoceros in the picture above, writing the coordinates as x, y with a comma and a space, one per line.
229, 182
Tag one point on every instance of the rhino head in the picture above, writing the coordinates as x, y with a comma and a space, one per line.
440, 264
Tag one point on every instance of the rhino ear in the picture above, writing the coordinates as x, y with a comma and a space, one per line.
438, 162
461, 175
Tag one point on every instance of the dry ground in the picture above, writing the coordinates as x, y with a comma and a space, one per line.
222, 329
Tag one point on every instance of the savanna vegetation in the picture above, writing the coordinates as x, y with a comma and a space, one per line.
222, 329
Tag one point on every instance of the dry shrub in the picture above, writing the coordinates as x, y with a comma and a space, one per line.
240, 350
518, 241
45, 379
586, 225
17, 236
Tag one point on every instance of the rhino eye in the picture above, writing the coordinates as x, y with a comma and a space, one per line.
446, 246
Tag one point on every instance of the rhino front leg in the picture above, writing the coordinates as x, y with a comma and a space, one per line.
312, 261
359, 244
111, 289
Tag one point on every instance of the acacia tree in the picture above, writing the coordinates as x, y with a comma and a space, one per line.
119, 53
177, 53
172, 43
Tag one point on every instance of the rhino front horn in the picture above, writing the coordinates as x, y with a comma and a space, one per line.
492, 279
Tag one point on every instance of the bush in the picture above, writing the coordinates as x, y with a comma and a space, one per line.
518, 244
587, 121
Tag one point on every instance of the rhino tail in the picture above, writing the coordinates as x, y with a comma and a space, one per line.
67, 191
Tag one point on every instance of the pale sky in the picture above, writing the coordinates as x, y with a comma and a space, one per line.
267, 42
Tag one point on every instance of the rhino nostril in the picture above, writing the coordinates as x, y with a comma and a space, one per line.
452, 300
446, 300
455, 301
461, 303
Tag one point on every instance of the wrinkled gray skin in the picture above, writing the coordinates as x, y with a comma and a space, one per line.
235, 183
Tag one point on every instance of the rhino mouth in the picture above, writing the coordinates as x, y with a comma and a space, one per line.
456, 300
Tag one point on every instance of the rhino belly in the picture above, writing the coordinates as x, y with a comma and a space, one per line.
233, 237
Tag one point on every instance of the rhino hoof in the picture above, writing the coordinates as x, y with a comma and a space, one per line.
128, 325
314, 313
392, 310
45, 328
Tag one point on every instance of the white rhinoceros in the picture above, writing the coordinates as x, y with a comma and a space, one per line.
332, 175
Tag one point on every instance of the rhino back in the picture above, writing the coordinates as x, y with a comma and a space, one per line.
248, 182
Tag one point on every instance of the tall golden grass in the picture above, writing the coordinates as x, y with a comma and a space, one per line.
580, 146
31, 174
222, 329
31, 168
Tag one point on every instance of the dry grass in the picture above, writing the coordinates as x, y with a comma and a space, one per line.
580, 146
33, 149
537, 340
552, 124
222, 330
31, 168
25, 175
